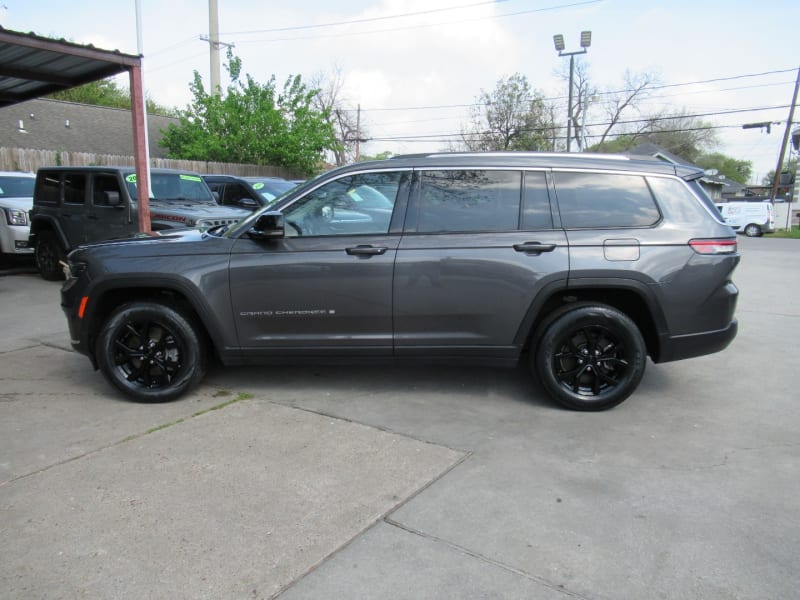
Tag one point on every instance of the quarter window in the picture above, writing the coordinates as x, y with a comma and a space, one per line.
604, 200
464, 201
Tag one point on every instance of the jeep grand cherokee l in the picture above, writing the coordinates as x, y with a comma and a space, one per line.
586, 264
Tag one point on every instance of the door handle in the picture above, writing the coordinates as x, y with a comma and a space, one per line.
534, 247
365, 250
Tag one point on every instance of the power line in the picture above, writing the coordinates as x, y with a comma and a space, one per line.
365, 20
423, 137
423, 26
671, 85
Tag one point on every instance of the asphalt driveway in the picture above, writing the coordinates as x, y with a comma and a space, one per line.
307, 482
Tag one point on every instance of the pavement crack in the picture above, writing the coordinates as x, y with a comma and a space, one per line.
561, 589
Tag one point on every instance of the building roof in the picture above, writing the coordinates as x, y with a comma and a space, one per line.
47, 124
33, 66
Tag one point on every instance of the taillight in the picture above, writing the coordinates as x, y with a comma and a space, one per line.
722, 246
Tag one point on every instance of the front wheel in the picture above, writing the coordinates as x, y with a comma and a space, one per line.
151, 352
753, 230
48, 255
590, 358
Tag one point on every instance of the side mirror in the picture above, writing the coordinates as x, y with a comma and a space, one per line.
247, 203
268, 226
112, 199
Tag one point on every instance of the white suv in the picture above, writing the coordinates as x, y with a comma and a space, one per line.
16, 200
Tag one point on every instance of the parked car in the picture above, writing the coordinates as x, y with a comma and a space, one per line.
754, 219
247, 192
584, 263
16, 199
76, 205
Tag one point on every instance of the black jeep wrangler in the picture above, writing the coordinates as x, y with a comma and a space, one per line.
75, 205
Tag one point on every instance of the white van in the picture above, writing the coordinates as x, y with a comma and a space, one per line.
752, 218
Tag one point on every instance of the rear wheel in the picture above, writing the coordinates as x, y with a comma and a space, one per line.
151, 352
753, 230
48, 253
590, 358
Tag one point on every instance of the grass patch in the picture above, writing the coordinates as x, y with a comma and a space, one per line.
239, 397
794, 233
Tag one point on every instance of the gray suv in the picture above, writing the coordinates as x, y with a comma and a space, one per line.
584, 265
75, 205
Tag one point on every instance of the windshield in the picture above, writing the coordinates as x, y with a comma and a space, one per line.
16, 187
173, 186
271, 189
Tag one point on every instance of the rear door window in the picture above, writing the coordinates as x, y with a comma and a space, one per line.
468, 201
74, 188
604, 200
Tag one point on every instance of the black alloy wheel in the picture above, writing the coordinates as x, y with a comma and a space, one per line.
591, 358
151, 352
48, 255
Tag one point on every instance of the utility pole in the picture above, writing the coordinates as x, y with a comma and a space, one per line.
214, 45
779, 168
358, 134
213, 42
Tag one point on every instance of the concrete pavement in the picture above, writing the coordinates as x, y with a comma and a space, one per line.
404, 482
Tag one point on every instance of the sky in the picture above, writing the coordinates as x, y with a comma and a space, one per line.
416, 66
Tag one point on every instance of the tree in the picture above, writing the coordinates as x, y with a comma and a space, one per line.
252, 123
789, 167
510, 117
379, 156
106, 92
331, 101
737, 170
680, 134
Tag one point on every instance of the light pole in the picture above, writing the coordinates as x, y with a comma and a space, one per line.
558, 41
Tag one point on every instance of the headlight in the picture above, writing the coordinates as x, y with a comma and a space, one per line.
16, 216
75, 269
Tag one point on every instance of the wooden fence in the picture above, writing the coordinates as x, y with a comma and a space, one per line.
28, 159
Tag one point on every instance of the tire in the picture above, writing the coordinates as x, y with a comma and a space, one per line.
753, 230
590, 358
48, 253
151, 352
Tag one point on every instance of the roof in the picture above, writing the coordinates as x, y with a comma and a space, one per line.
533, 160
33, 66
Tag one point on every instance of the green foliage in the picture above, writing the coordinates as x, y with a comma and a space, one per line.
738, 170
790, 166
105, 92
252, 123
379, 156
513, 116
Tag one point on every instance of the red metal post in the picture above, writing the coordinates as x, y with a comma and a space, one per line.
140, 150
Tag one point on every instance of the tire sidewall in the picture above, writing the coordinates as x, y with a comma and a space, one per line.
47, 247
193, 359
616, 322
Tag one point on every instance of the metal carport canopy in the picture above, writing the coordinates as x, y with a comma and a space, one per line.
33, 66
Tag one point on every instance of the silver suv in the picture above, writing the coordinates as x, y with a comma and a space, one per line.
583, 265
76, 205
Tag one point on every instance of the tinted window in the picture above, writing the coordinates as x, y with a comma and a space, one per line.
469, 201
678, 201
104, 188
48, 188
604, 200
354, 205
235, 192
536, 205
74, 188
